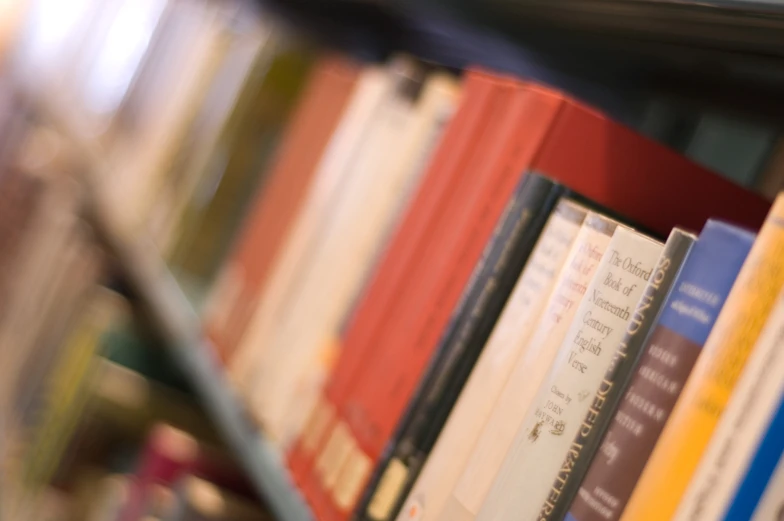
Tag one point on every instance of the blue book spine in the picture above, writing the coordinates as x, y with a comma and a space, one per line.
706, 280
760, 471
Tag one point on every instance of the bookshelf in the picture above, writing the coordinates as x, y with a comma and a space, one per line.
614, 54
178, 322
679, 60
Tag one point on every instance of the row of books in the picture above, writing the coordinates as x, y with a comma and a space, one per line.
185, 102
446, 292
481, 299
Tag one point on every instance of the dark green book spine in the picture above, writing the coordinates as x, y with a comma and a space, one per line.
640, 327
470, 326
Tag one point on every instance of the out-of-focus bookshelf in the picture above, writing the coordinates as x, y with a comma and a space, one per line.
173, 314
618, 55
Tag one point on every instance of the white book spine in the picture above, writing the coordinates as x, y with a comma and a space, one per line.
741, 428
369, 232
531, 367
515, 324
338, 261
319, 202
576, 380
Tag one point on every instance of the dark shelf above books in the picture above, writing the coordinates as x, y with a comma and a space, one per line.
614, 54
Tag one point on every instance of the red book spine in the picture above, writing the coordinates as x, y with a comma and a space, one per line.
307, 136
410, 237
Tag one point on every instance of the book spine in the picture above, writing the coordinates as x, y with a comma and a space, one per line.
472, 322
340, 259
495, 441
329, 180
638, 330
759, 496
233, 297
689, 429
670, 353
741, 430
575, 383
311, 384
510, 334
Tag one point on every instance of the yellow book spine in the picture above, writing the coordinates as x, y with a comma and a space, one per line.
706, 393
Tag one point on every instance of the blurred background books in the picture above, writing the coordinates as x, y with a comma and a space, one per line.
329, 260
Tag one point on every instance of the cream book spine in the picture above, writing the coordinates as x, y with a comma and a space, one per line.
371, 230
510, 335
575, 382
329, 178
530, 368
322, 291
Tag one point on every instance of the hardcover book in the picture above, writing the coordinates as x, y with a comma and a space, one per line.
241, 51
688, 317
703, 400
185, 63
361, 209
758, 497
238, 162
339, 258
574, 384
770, 505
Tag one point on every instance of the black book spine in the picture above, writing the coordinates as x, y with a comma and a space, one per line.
638, 333
472, 322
